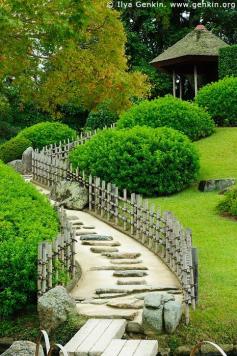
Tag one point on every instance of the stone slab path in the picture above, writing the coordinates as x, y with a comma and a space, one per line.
117, 271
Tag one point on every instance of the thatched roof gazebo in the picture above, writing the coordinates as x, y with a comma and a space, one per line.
194, 57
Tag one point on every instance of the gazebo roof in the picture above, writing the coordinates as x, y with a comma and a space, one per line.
199, 44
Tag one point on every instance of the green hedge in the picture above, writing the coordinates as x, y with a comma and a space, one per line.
171, 112
228, 61
220, 100
37, 136
26, 217
143, 160
101, 117
229, 204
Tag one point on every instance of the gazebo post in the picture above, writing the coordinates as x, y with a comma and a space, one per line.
180, 87
195, 79
174, 84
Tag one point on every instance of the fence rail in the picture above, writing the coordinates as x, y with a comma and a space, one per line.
159, 231
56, 259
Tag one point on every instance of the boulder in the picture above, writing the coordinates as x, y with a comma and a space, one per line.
23, 348
54, 308
70, 194
17, 165
172, 316
215, 184
27, 160
161, 313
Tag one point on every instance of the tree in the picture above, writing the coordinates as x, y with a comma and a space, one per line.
67, 52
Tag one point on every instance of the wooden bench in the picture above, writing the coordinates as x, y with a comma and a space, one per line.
95, 336
131, 348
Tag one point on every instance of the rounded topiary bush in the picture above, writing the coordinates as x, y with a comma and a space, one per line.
143, 160
46, 133
228, 206
13, 149
171, 112
37, 136
220, 100
26, 218
101, 117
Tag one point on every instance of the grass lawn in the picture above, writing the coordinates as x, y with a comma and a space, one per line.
216, 239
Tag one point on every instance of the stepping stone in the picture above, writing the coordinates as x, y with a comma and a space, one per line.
122, 255
103, 249
74, 223
72, 217
88, 227
130, 289
102, 312
122, 282
86, 233
98, 243
131, 348
125, 262
126, 304
110, 296
129, 273
119, 268
95, 237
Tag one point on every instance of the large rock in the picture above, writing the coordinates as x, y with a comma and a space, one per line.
23, 348
161, 313
70, 194
215, 184
27, 160
17, 165
172, 316
54, 308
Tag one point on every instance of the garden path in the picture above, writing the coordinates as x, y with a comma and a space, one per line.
117, 271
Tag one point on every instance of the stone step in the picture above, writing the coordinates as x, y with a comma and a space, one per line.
76, 223
103, 311
132, 289
124, 255
95, 237
110, 295
95, 301
122, 282
88, 227
103, 249
72, 217
125, 262
98, 243
120, 268
129, 273
131, 303
86, 233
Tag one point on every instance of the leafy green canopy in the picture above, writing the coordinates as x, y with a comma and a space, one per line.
143, 160
228, 62
37, 136
220, 100
26, 218
171, 112
66, 52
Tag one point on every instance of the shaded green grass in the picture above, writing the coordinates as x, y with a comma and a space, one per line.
216, 239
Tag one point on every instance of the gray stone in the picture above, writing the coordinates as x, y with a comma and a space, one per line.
184, 350
120, 268
172, 316
153, 319
215, 184
101, 244
95, 301
89, 237
27, 160
70, 194
22, 348
125, 262
129, 273
54, 308
103, 249
17, 165
126, 255
131, 282
86, 233
126, 304
156, 300
134, 328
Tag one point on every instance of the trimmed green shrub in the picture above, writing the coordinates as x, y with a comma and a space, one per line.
26, 218
220, 100
37, 136
171, 112
229, 204
46, 133
101, 117
13, 149
143, 160
228, 62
